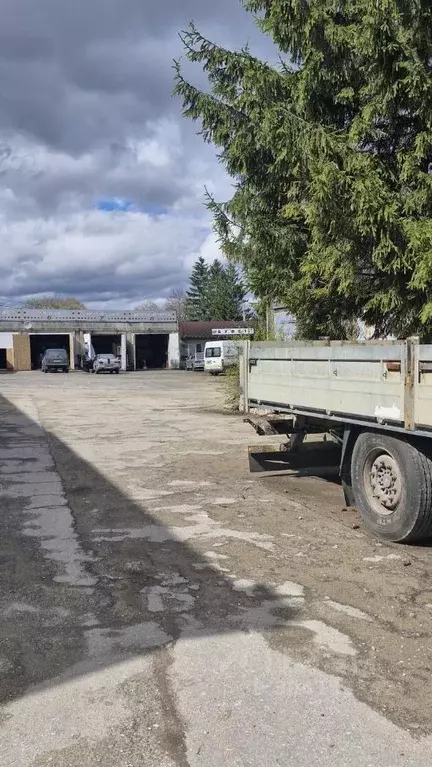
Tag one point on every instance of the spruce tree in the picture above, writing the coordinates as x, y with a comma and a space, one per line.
215, 293
330, 152
195, 302
225, 292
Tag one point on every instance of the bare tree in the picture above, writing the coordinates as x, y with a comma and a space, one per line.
148, 306
53, 302
176, 303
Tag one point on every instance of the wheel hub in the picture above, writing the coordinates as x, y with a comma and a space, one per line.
386, 483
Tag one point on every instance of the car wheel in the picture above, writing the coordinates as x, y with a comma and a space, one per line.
117, 371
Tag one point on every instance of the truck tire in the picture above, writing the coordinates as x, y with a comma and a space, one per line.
392, 485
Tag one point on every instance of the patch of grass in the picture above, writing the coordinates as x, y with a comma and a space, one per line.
231, 386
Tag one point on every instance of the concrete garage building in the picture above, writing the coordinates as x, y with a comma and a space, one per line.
141, 339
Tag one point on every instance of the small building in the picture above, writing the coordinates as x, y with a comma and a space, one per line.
284, 322
194, 335
140, 339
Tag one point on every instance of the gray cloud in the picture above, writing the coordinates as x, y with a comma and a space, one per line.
87, 114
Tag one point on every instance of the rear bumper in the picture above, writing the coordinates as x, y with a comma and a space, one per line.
107, 368
53, 368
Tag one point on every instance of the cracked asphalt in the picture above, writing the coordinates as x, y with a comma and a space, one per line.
161, 606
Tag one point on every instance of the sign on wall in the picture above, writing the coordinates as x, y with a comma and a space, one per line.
233, 332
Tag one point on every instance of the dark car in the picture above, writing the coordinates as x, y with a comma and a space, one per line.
55, 359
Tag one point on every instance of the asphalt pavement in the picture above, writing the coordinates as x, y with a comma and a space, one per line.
161, 606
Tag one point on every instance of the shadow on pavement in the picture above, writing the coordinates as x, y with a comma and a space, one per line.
89, 578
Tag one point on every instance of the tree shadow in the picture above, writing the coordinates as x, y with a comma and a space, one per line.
89, 578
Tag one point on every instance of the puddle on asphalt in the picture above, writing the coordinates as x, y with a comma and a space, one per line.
106, 642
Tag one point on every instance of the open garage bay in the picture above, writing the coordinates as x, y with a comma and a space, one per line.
106, 343
40, 342
160, 606
151, 350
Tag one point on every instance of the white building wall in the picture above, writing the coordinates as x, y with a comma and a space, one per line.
123, 351
6, 341
194, 343
72, 350
284, 323
174, 351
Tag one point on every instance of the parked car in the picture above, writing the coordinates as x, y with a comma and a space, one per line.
195, 361
106, 363
55, 360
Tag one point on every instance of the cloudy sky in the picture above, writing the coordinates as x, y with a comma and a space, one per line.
88, 125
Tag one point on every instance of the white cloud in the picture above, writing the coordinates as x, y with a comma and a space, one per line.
87, 115
130, 255
162, 147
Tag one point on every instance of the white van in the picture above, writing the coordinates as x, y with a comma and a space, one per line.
220, 355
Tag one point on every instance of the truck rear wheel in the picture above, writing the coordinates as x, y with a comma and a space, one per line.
392, 485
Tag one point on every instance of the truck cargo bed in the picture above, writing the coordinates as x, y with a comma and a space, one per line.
380, 383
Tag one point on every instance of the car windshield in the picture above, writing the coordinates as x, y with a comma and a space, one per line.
213, 351
55, 354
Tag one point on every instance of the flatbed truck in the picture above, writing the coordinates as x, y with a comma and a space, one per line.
374, 399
